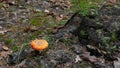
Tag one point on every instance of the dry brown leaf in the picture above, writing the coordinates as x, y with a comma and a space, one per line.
112, 1
61, 17
94, 50
46, 11
5, 53
2, 61
3, 31
30, 28
5, 48
86, 56
55, 29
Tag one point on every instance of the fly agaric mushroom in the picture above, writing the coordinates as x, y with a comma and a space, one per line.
39, 45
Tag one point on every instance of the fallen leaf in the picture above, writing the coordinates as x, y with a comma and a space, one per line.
3, 0
94, 50
3, 31
55, 29
112, 1
46, 11
2, 61
30, 28
5, 48
86, 56
5, 53
61, 17
77, 59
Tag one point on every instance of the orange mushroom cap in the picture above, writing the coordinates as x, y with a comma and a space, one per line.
39, 44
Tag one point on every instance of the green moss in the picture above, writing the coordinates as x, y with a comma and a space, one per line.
68, 41
1, 37
108, 45
36, 22
113, 36
14, 48
9, 41
62, 22
38, 19
85, 6
82, 33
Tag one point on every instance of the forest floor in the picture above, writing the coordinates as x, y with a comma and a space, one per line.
91, 41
